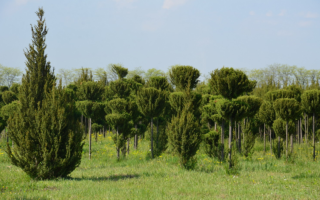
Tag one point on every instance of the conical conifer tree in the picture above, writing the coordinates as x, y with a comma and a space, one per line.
47, 136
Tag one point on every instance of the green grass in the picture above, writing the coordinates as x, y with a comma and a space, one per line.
137, 177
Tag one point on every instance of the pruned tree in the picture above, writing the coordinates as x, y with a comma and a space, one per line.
150, 102
288, 109
311, 105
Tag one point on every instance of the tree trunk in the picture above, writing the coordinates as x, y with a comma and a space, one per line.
128, 145
305, 127
215, 126
291, 143
89, 126
307, 133
157, 138
313, 139
86, 125
239, 136
104, 131
135, 138
264, 138
287, 140
118, 148
236, 133
96, 136
270, 139
151, 137
222, 140
209, 127
230, 140
5, 130
279, 147
301, 137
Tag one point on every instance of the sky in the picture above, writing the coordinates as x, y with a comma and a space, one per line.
206, 34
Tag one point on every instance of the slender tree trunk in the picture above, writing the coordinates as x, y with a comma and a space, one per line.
301, 137
279, 147
151, 137
305, 128
104, 131
307, 133
7, 137
313, 139
135, 138
291, 143
236, 134
157, 138
86, 125
230, 140
89, 126
118, 148
215, 126
264, 138
270, 140
287, 140
209, 127
128, 145
239, 136
222, 140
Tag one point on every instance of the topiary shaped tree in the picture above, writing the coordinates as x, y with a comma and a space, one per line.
184, 77
310, 101
150, 102
287, 109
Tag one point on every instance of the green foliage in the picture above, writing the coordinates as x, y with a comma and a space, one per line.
118, 89
231, 109
184, 77
150, 101
9, 110
120, 120
211, 141
233, 165
96, 127
153, 72
159, 82
266, 113
310, 101
15, 88
230, 83
278, 148
254, 102
280, 94
90, 90
178, 100
119, 70
85, 75
45, 130
248, 140
184, 136
279, 127
287, 109
3, 88
138, 79
8, 97
48, 141
90, 109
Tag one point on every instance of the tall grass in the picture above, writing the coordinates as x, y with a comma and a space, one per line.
138, 177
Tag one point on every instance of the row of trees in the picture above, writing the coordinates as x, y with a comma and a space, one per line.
48, 122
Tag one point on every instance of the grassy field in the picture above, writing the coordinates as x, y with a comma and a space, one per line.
137, 177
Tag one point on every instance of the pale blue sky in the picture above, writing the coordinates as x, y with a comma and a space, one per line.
206, 34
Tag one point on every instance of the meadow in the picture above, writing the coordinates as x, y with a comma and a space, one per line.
139, 177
